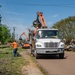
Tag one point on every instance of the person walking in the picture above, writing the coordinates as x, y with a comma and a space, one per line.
15, 48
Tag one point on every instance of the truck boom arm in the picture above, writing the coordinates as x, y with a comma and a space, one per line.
40, 21
24, 35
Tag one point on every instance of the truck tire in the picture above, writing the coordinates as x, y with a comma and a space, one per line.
31, 52
36, 55
61, 56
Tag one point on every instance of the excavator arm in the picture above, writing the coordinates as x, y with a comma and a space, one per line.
26, 44
24, 35
42, 20
39, 22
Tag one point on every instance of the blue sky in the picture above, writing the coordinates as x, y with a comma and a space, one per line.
21, 13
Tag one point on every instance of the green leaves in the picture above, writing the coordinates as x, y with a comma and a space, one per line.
4, 34
67, 26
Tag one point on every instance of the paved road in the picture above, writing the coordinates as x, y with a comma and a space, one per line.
55, 66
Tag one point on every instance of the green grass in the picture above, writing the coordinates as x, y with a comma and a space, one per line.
10, 65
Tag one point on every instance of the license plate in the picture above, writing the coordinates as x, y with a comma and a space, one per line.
48, 51
53, 49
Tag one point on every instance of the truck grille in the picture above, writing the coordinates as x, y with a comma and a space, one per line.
51, 44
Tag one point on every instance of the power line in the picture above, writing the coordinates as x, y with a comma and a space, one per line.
30, 4
4, 19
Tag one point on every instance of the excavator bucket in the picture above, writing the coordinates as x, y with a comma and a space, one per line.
20, 38
36, 23
40, 21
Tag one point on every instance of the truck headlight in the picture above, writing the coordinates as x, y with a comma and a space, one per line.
62, 45
38, 45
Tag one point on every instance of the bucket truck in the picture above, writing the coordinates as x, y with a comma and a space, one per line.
45, 41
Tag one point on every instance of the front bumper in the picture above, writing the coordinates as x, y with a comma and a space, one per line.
50, 50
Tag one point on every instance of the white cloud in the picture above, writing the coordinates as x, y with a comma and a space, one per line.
54, 16
19, 29
50, 23
14, 13
18, 21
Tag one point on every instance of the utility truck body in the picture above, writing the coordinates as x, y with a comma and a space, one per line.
47, 42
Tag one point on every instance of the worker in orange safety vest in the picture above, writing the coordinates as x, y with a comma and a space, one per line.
15, 48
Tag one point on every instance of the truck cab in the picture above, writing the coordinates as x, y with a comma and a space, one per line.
47, 42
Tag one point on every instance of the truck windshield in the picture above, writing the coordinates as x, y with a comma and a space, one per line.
47, 34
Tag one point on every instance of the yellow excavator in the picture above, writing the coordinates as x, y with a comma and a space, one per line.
25, 44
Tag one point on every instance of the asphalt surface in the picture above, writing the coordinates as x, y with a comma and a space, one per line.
55, 66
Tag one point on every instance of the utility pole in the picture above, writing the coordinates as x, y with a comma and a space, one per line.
13, 34
0, 16
0, 19
0, 6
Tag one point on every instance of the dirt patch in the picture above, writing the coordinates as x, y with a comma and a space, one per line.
31, 68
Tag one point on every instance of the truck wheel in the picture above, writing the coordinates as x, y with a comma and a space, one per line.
36, 55
61, 56
31, 52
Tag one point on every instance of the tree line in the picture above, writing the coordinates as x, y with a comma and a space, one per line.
66, 28
5, 35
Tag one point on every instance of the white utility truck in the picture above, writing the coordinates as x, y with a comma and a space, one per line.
46, 42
